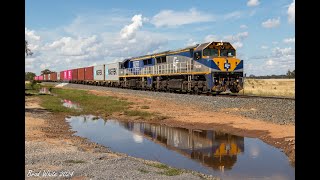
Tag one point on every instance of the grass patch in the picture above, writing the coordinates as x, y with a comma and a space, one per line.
143, 171
74, 161
172, 172
145, 107
141, 114
168, 171
89, 103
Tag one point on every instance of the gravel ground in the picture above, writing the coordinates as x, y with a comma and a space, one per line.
280, 111
50, 148
42, 156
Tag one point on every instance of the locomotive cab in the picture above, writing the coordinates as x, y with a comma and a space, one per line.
225, 70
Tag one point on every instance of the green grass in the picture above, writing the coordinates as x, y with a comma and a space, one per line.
89, 103
143, 170
145, 107
74, 161
168, 171
141, 114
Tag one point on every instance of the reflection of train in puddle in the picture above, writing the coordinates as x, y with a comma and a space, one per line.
214, 149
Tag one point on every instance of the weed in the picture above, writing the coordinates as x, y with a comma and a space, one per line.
74, 161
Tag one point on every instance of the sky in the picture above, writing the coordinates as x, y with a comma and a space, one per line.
78, 33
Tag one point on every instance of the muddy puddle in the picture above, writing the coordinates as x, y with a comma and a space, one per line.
211, 152
69, 104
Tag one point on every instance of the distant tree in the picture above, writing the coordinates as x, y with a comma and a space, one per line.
291, 74
29, 76
46, 71
27, 50
251, 75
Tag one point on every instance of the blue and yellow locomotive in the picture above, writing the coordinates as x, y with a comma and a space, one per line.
203, 68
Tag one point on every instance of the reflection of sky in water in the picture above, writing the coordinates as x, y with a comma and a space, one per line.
137, 138
70, 104
209, 152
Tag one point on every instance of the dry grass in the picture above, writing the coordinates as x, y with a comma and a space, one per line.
269, 87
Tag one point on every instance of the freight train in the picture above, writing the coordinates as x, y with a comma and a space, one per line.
202, 68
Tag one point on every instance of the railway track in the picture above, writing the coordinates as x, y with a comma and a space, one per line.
255, 96
211, 94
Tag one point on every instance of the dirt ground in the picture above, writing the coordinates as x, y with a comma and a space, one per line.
179, 115
50, 146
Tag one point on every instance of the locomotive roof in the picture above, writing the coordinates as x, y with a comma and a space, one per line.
198, 47
164, 53
216, 43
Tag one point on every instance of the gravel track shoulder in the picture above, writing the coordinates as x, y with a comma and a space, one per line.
50, 146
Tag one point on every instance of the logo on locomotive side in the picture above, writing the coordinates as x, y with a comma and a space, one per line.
99, 72
227, 65
112, 71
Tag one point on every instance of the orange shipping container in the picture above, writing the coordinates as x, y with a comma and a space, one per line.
53, 76
81, 74
88, 73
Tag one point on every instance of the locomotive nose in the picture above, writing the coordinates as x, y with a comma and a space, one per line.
226, 64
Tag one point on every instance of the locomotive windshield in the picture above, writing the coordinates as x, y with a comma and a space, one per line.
227, 52
210, 52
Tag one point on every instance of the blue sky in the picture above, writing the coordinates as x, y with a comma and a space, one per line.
77, 33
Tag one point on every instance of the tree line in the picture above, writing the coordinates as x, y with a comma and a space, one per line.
288, 75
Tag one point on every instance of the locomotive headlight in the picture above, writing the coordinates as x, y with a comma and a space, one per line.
237, 80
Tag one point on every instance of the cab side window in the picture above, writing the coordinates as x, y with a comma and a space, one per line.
197, 55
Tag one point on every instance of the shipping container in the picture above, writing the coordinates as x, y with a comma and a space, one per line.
81, 74
45, 77
88, 73
62, 75
69, 75
112, 71
40, 78
53, 76
49, 77
35, 78
65, 75
74, 74
58, 76
98, 72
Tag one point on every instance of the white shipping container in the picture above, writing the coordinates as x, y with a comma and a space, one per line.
98, 73
112, 71
49, 76
44, 77
58, 76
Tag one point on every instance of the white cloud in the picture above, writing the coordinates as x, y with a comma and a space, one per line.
264, 47
280, 60
253, 3
289, 40
269, 62
210, 38
235, 40
30, 35
271, 23
171, 18
238, 37
84, 48
128, 32
291, 13
191, 42
279, 52
237, 44
243, 26
233, 15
